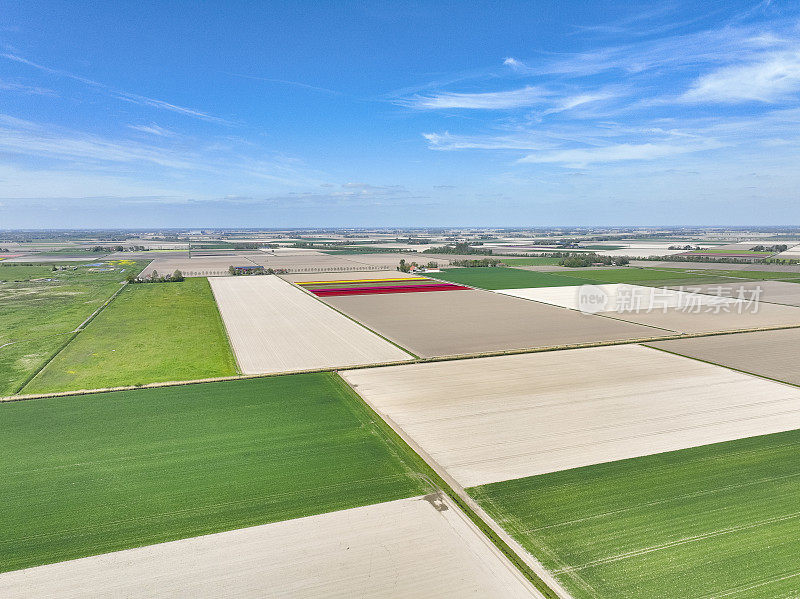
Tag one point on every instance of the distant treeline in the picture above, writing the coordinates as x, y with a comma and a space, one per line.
583, 260
175, 277
458, 248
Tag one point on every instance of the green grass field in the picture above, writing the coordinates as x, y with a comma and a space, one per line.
541, 261
714, 521
507, 278
37, 317
150, 333
742, 274
90, 474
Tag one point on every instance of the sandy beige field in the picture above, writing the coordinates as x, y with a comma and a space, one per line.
198, 266
276, 327
677, 320
444, 323
405, 548
492, 419
766, 353
773, 292
619, 297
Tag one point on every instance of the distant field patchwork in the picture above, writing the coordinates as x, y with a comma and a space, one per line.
714, 521
507, 278
150, 333
90, 474
368, 286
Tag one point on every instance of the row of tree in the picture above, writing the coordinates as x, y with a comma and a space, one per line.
458, 248
582, 260
175, 277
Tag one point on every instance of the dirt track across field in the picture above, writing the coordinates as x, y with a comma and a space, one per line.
276, 327
418, 547
492, 419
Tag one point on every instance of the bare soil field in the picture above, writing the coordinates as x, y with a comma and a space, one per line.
619, 297
276, 327
199, 266
680, 321
766, 353
309, 262
492, 419
418, 547
442, 323
773, 292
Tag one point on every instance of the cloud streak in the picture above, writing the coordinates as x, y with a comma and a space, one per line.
527, 96
119, 94
774, 78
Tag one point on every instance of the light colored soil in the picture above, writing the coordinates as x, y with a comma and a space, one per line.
404, 548
767, 353
442, 323
492, 419
276, 327
199, 266
620, 297
677, 320
775, 292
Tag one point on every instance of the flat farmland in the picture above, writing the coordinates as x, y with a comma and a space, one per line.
40, 308
619, 298
708, 319
491, 419
773, 292
150, 333
91, 474
771, 354
338, 276
442, 323
199, 265
505, 278
713, 521
276, 327
402, 548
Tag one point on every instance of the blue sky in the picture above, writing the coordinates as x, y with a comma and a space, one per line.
156, 114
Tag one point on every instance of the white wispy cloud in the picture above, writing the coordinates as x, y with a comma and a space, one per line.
153, 129
55, 148
527, 96
446, 141
580, 157
11, 86
515, 64
120, 94
775, 77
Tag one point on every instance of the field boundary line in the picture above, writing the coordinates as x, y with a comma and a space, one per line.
709, 362
224, 328
72, 334
347, 316
449, 358
513, 552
